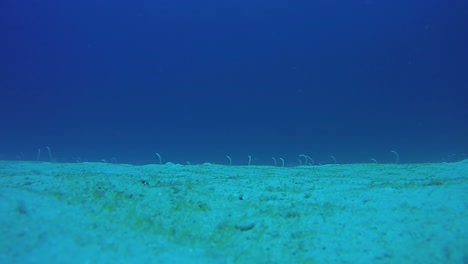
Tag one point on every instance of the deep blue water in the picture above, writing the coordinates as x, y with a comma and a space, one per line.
198, 80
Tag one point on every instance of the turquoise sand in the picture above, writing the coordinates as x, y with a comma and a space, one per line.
171, 213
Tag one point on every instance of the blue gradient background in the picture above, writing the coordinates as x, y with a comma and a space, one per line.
199, 80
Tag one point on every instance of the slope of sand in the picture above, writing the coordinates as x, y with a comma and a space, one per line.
98, 212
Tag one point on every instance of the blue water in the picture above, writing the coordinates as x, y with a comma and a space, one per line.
198, 80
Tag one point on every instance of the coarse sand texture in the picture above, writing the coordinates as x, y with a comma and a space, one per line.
170, 213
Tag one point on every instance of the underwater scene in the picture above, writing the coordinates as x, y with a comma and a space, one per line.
163, 131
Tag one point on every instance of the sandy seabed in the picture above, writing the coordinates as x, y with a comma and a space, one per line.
115, 213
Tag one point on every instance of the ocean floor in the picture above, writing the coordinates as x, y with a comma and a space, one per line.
112, 213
